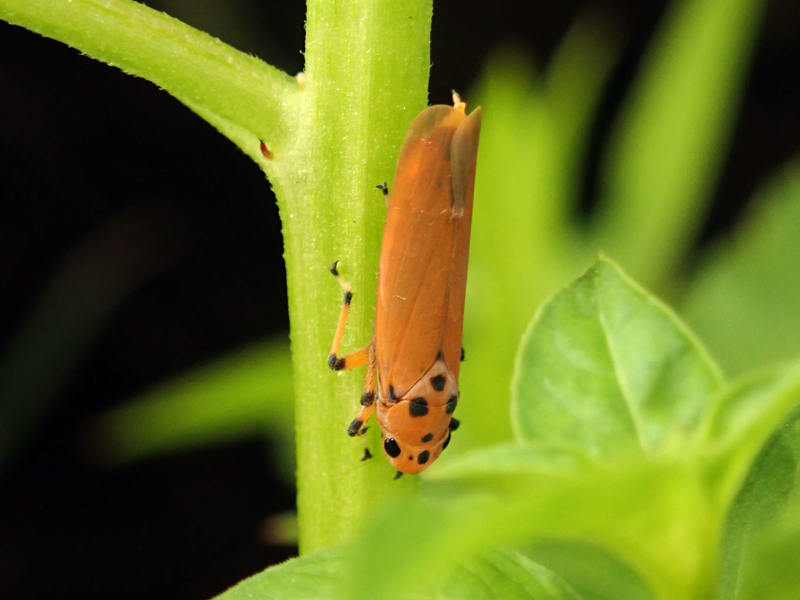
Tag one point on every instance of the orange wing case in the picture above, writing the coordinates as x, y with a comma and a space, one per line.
425, 250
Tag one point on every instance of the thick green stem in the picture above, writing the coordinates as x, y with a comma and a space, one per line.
367, 72
331, 143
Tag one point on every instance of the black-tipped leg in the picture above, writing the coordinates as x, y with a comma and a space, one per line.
397, 476
367, 455
335, 363
367, 398
385, 189
333, 269
355, 427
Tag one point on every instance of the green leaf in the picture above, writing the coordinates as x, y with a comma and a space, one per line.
654, 518
508, 458
607, 369
318, 575
532, 140
743, 301
503, 574
668, 148
772, 487
574, 82
749, 446
771, 572
595, 574
741, 422
246, 394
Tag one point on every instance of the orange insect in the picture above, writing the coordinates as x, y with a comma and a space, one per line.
414, 357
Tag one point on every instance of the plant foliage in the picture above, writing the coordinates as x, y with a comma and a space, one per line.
630, 467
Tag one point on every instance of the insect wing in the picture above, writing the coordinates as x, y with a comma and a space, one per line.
423, 263
463, 158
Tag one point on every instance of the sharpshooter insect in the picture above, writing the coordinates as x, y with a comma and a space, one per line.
414, 358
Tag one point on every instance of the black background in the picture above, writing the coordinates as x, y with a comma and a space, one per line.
82, 144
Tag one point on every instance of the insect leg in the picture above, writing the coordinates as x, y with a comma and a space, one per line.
357, 426
354, 359
367, 398
385, 189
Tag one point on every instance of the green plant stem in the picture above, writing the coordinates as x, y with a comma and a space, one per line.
331, 143
367, 73
246, 99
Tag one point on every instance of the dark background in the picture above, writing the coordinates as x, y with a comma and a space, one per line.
82, 146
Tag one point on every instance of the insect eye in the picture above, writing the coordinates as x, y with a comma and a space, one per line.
391, 447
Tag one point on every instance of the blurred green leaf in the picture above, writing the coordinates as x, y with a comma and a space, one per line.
744, 299
657, 511
741, 421
246, 394
593, 573
84, 291
503, 574
635, 525
670, 142
628, 376
772, 485
574, 82
772, 573
533, 138
655, 518
607, 368
312, 577
509, 458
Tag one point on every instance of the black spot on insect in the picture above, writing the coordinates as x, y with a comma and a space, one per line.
438, 382
354, 427
451, 405
446, 442
398, 475
392, 395
391, 447
333, 269
410, 458
348, 297
418, 407
367, 398
423, 457
454, 423
335, 363
462, 354
367, 455
428, 437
